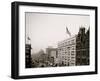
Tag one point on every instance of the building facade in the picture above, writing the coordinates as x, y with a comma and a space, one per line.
52, 56
28, 56
67, 52
82, 47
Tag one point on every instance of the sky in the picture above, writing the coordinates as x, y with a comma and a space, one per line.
45, 29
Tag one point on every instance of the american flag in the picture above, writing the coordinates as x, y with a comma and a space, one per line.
67, 31
28, 38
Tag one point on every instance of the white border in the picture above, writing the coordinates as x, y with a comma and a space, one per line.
53, 70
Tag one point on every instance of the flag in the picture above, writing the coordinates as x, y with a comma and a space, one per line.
28, 38
67, 31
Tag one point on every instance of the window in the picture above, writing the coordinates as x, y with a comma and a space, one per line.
72, 41
68, 42
72, 64
72, 57
72, 52
73, 48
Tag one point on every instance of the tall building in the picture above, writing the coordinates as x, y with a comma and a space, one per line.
52, 55
43, 59
67, 52
87, 45
28, 56
82, 47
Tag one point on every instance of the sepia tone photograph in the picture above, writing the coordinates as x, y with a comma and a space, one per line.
52, 40
56, 40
